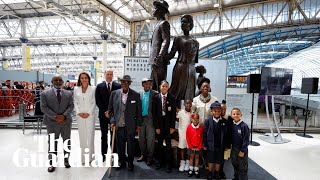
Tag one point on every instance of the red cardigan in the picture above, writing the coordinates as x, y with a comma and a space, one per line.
194, 137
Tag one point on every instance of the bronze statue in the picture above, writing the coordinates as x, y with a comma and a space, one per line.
184, 72
159, 44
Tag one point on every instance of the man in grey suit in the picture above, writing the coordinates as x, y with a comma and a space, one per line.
159, 44
125, 112
57, 105
147, 131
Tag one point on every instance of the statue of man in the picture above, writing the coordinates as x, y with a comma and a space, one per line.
159, 44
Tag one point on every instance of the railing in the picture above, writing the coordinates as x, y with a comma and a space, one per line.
11, 98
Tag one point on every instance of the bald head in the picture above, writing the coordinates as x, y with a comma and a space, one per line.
57, 81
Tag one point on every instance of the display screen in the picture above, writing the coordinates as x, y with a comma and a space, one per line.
276, 81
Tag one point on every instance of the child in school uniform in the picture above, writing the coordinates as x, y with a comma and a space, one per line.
227, 151
164, 113
215, 140
194, 139
240, 142
183, 117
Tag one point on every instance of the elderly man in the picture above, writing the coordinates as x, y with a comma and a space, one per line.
147, 131
159, 44
125, 112
103, 92
57, 105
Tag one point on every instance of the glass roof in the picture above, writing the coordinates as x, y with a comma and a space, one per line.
305, 63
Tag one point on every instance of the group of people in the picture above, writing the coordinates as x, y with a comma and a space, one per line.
203, 129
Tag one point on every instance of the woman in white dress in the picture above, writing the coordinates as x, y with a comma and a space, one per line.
84, 104
201, 103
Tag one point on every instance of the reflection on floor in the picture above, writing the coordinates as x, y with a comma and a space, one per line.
142, 171
298, 159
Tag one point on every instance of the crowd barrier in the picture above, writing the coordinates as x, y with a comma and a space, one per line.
11, 98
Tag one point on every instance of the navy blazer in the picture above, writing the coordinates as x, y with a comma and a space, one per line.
208, 136
170, 117
102, 98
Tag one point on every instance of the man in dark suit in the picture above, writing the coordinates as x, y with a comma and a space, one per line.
57, 105
147, 131
125, 112
159, 44
103, 92
164, 118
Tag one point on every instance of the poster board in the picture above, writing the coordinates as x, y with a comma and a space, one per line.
138, 68
244, 103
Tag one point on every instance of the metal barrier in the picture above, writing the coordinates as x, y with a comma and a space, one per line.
10, 99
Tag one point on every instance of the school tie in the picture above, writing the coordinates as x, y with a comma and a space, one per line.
59, 95
108, 89
164, 104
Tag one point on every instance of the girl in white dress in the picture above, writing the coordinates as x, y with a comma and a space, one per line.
183, 117
84, 105
201, 104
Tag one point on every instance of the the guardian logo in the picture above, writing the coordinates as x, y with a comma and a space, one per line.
26, 158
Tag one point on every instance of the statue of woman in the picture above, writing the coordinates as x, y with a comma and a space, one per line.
184, 72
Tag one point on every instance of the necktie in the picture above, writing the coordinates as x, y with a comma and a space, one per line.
59, 95
108, 89
164, 104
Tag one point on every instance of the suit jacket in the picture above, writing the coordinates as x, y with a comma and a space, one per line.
102, 98
170, 110
50, 106
208, 135
84, 105
132, 114
160, 41
153, 93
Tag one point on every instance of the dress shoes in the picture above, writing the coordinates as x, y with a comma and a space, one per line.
66, 164
168, 170
51, 169
142, 158
158, 166
130, 166
122, 165
149, 162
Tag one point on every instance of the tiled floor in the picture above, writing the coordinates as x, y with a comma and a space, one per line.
298, 159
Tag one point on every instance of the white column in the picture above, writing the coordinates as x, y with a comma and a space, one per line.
104, 55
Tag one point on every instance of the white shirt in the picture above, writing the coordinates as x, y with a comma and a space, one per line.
124, 96
163, 112
110, 85
216, 120
195, 127
237, 122
56, 91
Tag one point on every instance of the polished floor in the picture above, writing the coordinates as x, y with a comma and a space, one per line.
298, 159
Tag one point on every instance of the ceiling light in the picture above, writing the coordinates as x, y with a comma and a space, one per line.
147, 20
216, 5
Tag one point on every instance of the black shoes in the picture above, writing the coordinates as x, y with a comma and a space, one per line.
142, 158
130, 166
66, 164
222, 175
168, 169
149, 162
51, 169
158, 165
197, 174
216, 175
209, 176
190, 173
122, 165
